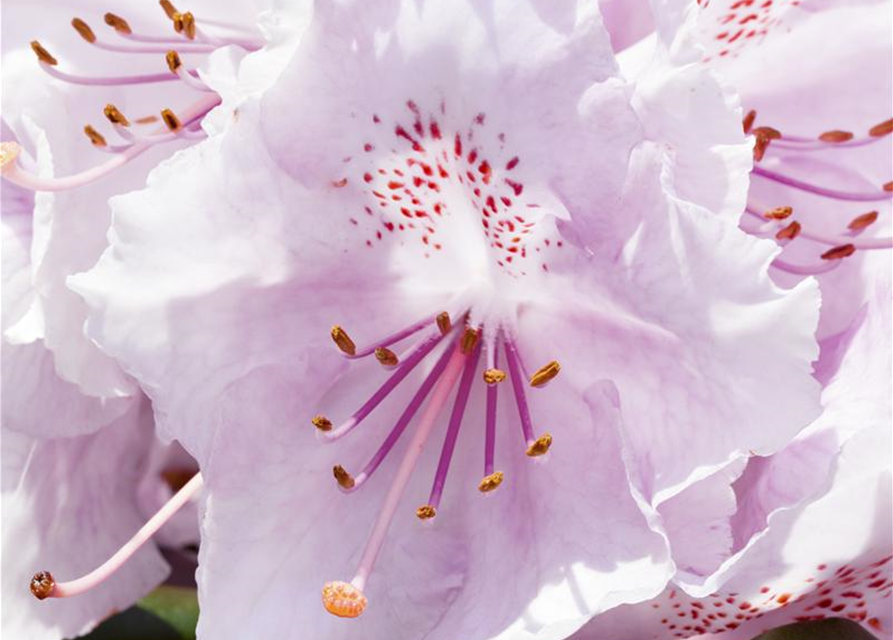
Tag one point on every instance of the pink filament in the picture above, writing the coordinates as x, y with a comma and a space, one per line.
122, 555
511, 356
822, 191
407, 465
492, 400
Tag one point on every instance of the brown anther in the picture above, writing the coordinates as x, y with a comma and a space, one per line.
171, 121
343, 341
749, 120
9, 151
764, 135
888, 186
443, 323
836, 136
839, 252
117, 23
173, 61
494, 376
95, 137
115, 116
468, 340
343, 477
540, 446
322, 423
544, 374
189, 25
789, 232
42, 54
386, 356
169, 9
42, 585
490, 482
860, 222
342, 599
881, 129
425, 512
767, 132
84, 30
778, 213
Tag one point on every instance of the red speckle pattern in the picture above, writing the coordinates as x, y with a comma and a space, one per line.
846, 591
730, 26
416, 172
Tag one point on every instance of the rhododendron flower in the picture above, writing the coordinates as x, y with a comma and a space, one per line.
456, 193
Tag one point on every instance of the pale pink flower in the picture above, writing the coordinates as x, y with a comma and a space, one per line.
487, 161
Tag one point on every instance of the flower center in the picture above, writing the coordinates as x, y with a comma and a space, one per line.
457, 364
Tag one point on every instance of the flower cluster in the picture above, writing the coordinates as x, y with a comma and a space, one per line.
501, 319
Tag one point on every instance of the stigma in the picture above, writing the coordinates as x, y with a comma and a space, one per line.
127, 138
465, 354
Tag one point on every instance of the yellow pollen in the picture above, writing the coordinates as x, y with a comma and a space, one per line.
836, 136
839, 252
544, 374
541, 446
322, 423
84, 30
494, 376
173, 61
778, 213
343, 341
789, 232
184, 23
95, 137
469, 340
115, 116
425, 512
42, 585
491, 482
860, 222
171, 121
342, 599
169, 8
117, 23
9, 151
42, 54
443, 323
343, 477
386, 356
881, 129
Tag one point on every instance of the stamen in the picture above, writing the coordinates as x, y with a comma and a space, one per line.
169, 8
44, 586
861, 222
778, 213
491, 482
836, 136
347, 599
541, 446
469, 340
494, 376
42, 54
393, 338
443, 323
881, 129
173, 61
839, 252
764, 135
95, 137
322, 423
386, 357
426, 512
533, 443
115, 116
171, 121
343, 341
544, 374
148, 78
84, 30
184, 23
749, 120
402, 370
822, 191
117, 23
405, 418
492, 403
452, 434
806, 269
345, 480
794, 230
789, 232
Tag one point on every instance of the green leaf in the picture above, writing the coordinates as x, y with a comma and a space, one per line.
828, 629
168, 613
177, 606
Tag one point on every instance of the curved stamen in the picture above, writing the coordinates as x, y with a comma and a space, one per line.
347, 599
492, 402
148, 78
89, 36
402, 370
798, 143
535, 446
452, 435
806, 269
20, 176
771, 224
44, 586
822, 191
393, 338
353, 484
